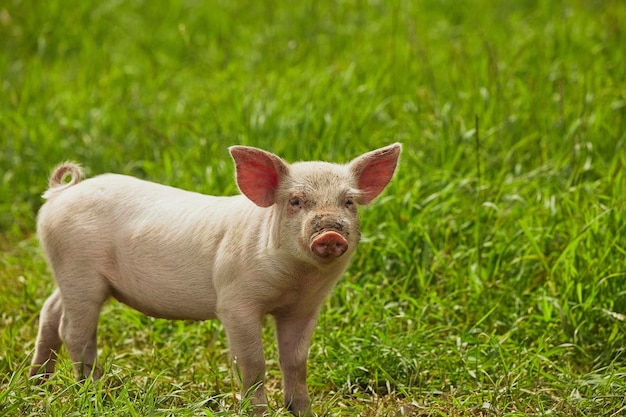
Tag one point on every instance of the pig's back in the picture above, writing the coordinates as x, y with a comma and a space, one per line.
115, 206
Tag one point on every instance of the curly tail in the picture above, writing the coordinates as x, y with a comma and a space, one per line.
59, 174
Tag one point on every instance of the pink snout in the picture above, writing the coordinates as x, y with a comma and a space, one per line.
329, 245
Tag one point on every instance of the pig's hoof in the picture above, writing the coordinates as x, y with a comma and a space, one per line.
329, 245
38, 379
301, 410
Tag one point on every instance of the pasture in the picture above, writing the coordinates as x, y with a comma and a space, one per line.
491, 275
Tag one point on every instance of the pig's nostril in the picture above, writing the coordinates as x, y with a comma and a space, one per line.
329, 245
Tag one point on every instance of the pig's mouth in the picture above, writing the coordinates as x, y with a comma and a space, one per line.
328, 244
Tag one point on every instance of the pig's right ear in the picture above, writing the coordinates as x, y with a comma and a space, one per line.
258, 173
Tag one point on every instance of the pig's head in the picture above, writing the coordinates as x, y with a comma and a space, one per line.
315, 203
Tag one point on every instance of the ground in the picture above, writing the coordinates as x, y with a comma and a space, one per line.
490, 277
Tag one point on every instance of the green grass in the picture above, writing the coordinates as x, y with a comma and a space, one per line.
491, 278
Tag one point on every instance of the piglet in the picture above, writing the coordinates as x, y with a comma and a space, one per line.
277, 249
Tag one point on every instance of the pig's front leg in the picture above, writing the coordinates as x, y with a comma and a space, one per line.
243, 330
294, 339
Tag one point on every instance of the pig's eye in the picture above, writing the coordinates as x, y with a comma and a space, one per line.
295, 202
349, 202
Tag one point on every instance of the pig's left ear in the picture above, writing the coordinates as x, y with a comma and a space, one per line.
374, 170
258, 173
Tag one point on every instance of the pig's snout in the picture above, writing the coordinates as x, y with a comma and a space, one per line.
329, 244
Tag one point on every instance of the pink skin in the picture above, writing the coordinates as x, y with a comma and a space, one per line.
278, 249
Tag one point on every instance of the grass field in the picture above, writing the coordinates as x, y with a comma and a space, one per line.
491, 277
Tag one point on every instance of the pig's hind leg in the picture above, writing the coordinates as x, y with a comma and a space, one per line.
48, 339
83, 297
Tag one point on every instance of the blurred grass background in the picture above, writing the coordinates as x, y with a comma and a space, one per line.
490, 279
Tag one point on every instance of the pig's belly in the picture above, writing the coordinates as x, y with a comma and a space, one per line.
170, 297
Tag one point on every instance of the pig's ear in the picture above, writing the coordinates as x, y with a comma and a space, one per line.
374, 170
258, 173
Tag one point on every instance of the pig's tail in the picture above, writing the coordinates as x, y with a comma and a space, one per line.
56, 182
